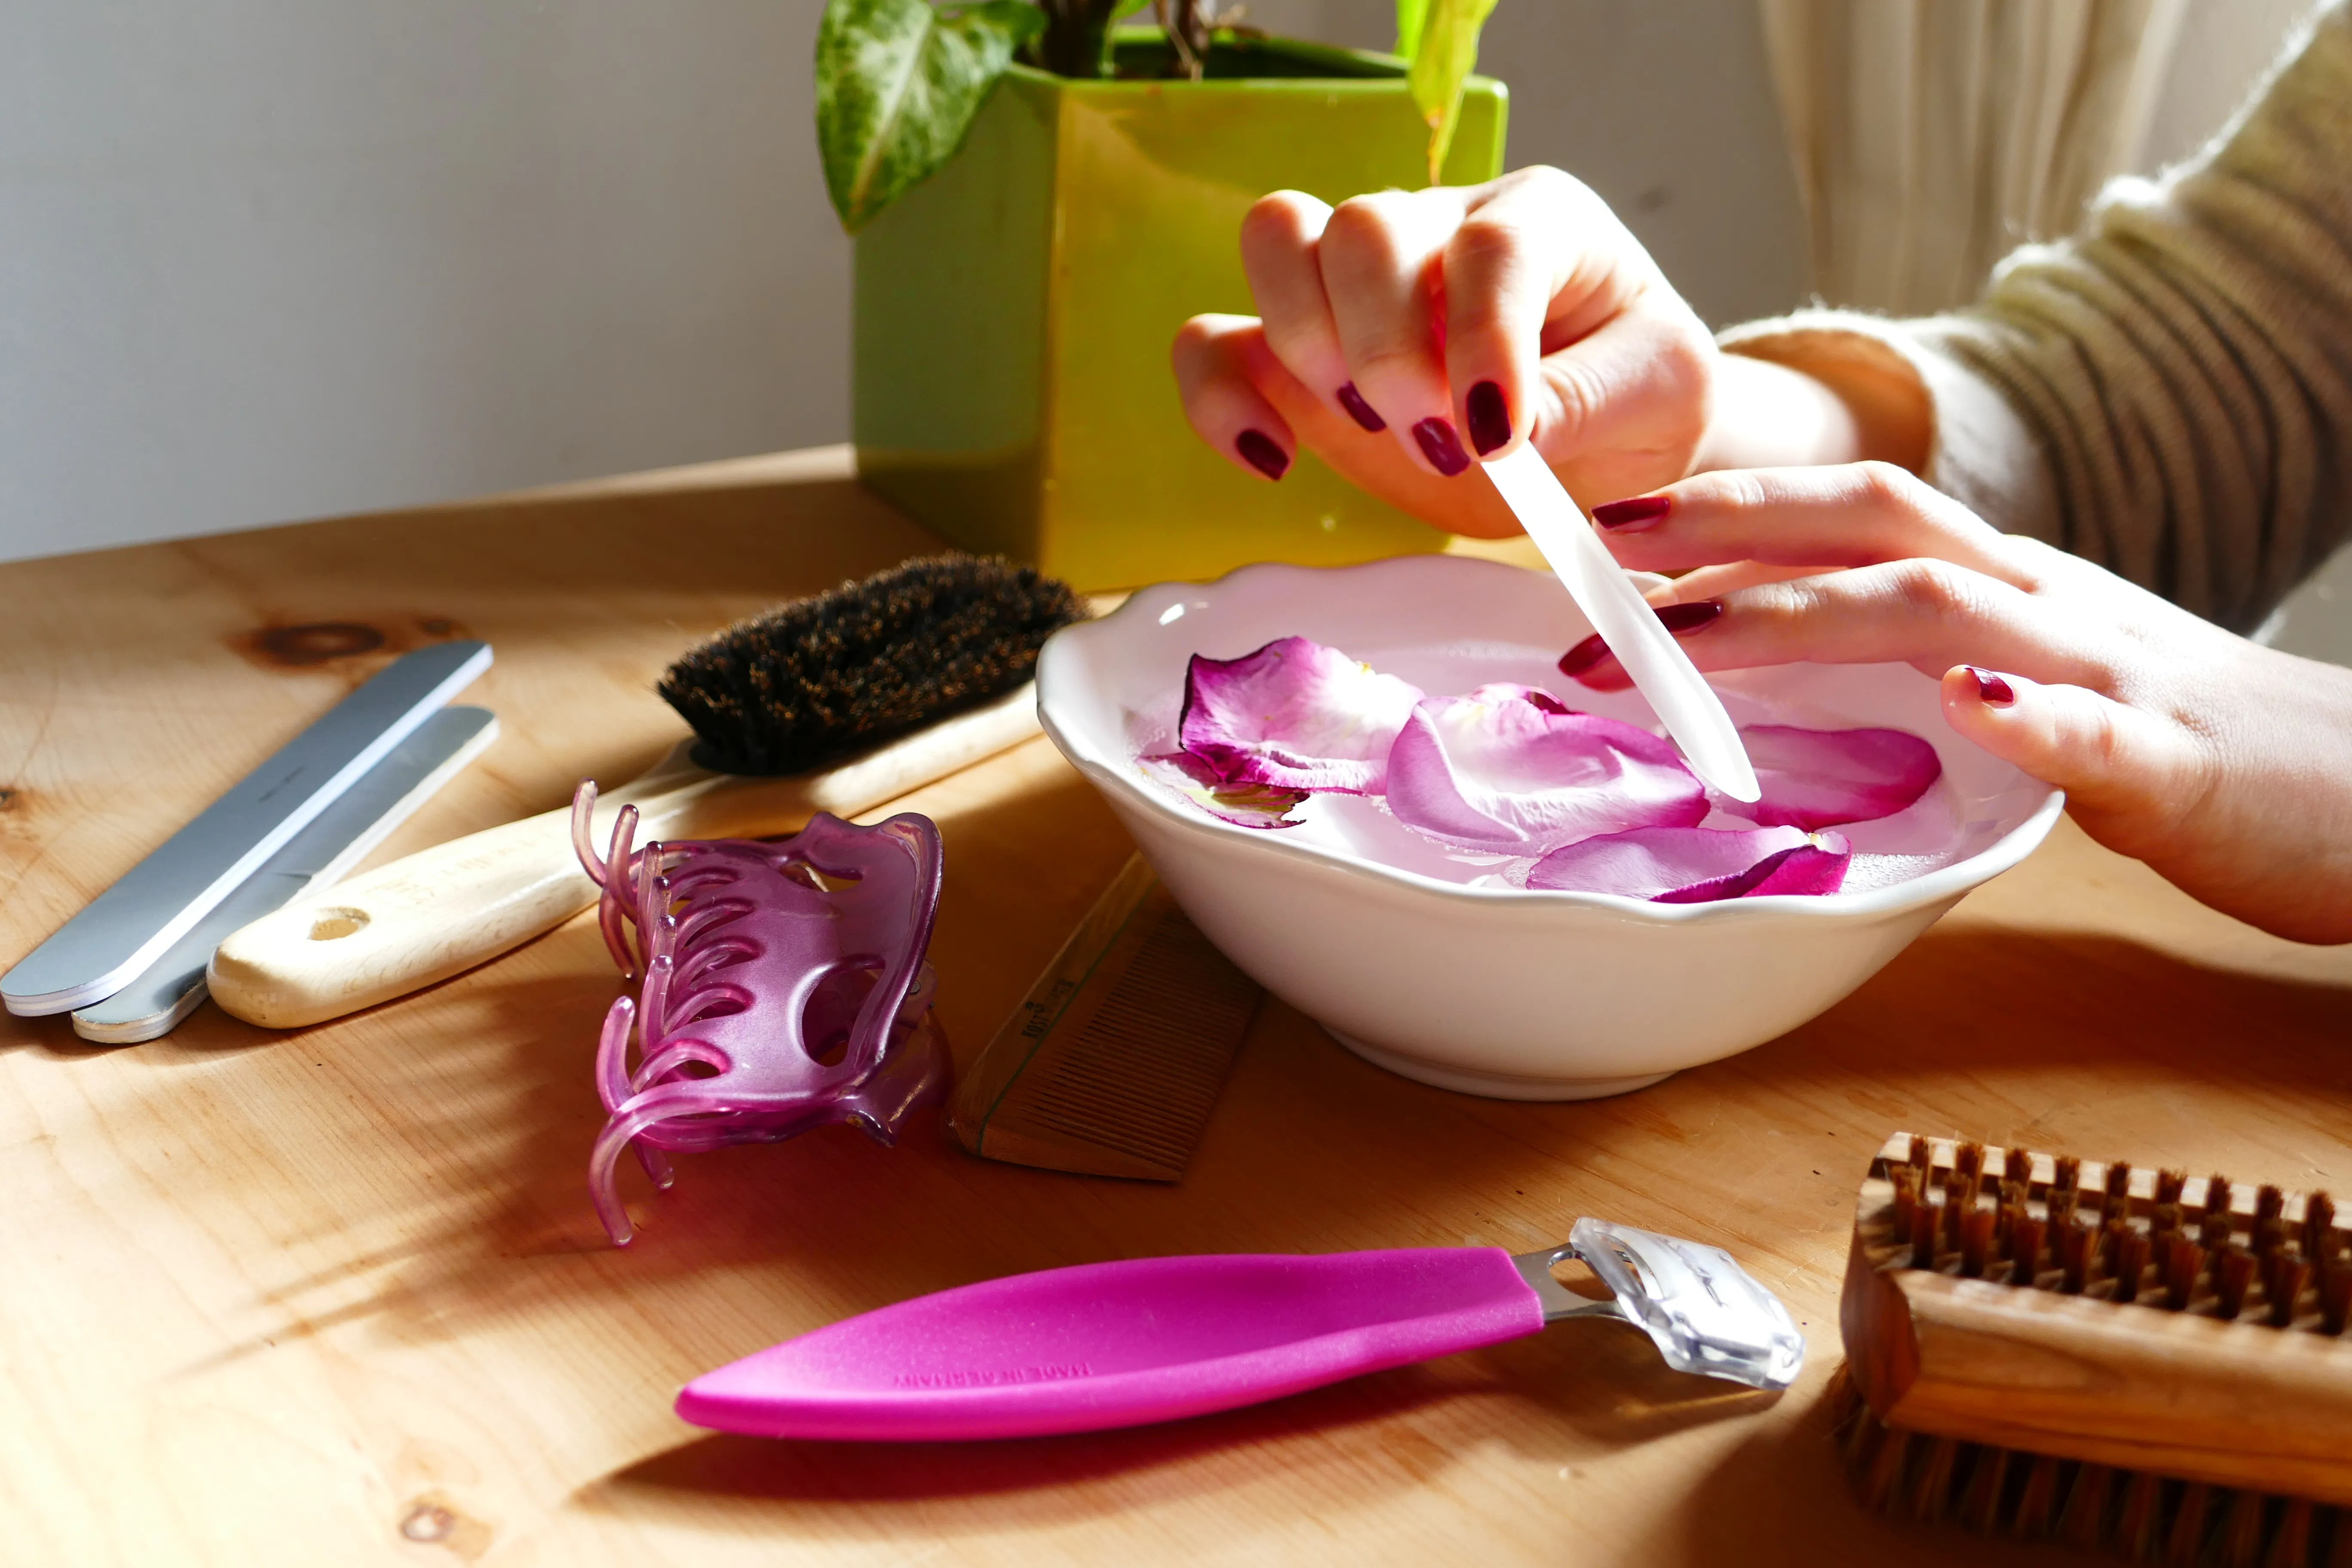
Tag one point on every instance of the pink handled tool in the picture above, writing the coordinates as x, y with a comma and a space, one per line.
1155, 1339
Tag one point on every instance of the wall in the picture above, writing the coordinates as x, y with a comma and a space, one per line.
278, 258
1664, 108
275, 258
281, 259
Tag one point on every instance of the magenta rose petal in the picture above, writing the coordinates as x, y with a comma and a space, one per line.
1819, 778
1696, 865
1808, 871
1509, 770
1295, 715
1243, 805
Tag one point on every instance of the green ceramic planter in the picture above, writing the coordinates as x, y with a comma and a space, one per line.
1014, 312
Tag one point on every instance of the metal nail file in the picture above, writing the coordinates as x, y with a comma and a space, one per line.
170, 988
133, 923
1662, 672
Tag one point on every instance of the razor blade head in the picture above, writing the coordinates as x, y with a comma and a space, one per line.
1704, 1313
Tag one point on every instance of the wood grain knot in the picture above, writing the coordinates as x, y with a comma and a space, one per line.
314, 642
433, 1519
428, 1521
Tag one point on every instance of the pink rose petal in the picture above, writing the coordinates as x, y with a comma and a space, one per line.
1293, 715
1243, 805
1511, 770
1697, 865
1819, 778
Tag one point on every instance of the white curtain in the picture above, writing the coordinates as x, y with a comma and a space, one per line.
1932, 136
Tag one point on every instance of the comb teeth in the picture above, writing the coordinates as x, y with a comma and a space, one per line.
1113, 1063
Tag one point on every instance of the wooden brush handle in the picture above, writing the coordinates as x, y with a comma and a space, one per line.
2237, 1403
440, 912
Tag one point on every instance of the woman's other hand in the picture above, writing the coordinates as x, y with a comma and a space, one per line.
1404, 334
2225, 765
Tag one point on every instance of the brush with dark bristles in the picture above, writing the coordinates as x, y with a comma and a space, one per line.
822, 678
2039, 1346
838, 702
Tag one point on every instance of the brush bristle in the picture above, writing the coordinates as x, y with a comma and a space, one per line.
2009, 1492
824, 678
2157, 1243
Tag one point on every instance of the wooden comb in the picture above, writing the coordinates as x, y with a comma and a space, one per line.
2040, 1345
1112, 1063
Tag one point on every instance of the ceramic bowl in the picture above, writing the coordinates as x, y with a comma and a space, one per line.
1427, 963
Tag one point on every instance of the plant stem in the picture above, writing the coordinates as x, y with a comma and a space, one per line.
1076, 41
1187, 27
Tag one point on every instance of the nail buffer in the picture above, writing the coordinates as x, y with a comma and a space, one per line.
341, 836
1663, 673
133, 923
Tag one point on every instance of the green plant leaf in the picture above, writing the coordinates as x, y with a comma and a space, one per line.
1411, 15
1443, 56
897, 84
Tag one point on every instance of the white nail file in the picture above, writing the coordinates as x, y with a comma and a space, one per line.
1663, 673
172, 987
131, 924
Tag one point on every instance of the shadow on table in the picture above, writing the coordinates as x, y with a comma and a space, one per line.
1783, 1496
1359, 1156
486, 1081
1361, 1440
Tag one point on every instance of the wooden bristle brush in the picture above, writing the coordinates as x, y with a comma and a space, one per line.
2120, 1357
838, 702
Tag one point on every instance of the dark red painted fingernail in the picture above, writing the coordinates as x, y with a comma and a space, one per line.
1638, 512
1490, 422
1361, 412
1441, 446
1258, 450
1681, 618
1583, 656
1991, 690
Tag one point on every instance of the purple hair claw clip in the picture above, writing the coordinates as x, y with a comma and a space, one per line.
781, 987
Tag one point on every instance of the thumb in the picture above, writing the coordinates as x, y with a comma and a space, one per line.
2131, 769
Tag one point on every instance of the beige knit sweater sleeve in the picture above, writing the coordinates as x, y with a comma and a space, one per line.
2169, 392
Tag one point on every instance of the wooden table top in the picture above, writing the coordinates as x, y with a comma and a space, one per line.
337, 1296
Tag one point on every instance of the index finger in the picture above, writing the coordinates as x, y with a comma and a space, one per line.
1854, 515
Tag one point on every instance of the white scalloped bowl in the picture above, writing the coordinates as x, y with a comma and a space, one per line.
1423, 961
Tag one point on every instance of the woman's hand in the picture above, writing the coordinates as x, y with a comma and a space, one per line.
2224, 766
1402, 335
